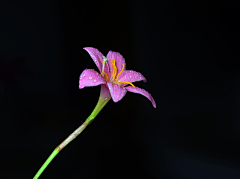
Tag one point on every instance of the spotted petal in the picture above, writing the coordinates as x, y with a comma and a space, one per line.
119, 61
131, 76
142, 92
117, 92
90, 77
97, 57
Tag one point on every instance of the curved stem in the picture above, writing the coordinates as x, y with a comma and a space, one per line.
101, 103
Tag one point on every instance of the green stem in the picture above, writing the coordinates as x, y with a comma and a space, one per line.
101, 103
50, 158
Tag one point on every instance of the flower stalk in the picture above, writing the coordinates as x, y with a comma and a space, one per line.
101, 103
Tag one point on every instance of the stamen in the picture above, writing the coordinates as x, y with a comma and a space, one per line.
114, 72
125, 82
103, 73
120, 72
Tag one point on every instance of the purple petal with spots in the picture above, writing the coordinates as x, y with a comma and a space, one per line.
90, 77
131, 76
119, 60
96, 55
142, 92
117, 92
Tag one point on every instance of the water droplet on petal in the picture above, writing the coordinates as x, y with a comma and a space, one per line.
90, 78
94, 80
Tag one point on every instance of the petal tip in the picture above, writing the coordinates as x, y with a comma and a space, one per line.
115, 100
81, 87
154, 105
86, 48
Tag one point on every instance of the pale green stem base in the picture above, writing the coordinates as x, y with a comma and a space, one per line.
101, 103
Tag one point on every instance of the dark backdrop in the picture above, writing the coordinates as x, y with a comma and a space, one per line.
187, 50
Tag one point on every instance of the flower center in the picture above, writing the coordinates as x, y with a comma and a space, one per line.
114, 76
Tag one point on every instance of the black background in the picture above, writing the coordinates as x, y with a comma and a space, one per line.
187, 50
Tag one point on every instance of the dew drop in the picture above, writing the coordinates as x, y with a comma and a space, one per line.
94, 80
90, 78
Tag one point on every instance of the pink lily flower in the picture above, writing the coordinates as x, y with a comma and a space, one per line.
113, 78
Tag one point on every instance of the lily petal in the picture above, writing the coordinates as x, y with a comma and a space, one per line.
96, 55
117, 92
90, 77
131, 76
142, 92
119, 61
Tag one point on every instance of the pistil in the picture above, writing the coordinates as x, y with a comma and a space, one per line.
103, 73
